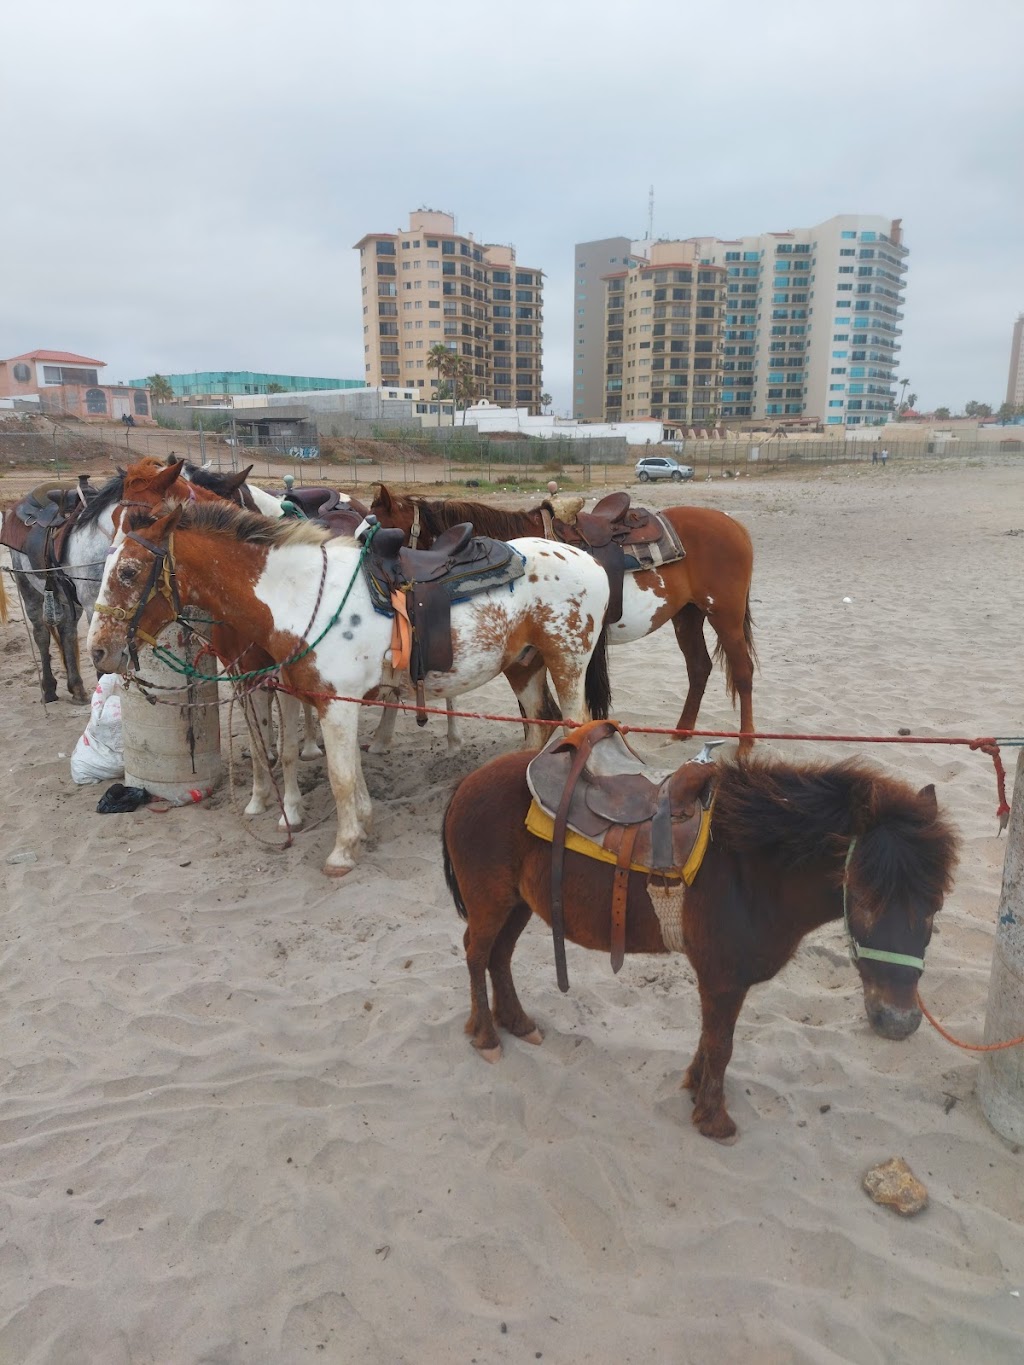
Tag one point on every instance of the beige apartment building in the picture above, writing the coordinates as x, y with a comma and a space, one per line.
663, 337
799, 327
430, 284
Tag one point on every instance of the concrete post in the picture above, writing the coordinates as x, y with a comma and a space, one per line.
1001, 1078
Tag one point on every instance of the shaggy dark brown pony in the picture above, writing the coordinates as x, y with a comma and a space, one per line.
791, 846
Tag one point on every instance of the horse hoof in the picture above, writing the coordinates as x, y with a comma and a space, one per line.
490, 1054
309, 755
729, 1141
331, 871
293, 822
534, 1036
77, 701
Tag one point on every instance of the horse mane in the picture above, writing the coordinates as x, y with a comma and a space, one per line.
211, 479
224, 518
790, 813
106, 496
438, 516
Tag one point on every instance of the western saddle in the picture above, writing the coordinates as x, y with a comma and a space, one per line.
325, 506
40, 525
609, 532
417, 588
591, 784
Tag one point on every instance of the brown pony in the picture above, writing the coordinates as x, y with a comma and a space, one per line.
792, 846
712, 582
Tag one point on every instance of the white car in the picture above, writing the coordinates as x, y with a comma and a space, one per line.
662, 467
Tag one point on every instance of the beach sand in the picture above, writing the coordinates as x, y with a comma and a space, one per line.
240, 1120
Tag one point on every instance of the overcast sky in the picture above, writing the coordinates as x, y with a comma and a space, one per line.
183, 183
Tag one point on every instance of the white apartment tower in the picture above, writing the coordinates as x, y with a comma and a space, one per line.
1015, 384
810, 331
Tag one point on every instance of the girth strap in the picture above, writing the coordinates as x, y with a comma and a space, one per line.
620, 895
579, 762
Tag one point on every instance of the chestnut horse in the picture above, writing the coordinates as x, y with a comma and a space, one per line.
301, 598
148, 484
792, 846
712, 582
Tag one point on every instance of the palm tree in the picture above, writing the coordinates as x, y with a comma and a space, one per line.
903, 384
160, 388
545, 401
442, 359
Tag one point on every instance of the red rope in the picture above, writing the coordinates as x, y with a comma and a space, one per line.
985, 745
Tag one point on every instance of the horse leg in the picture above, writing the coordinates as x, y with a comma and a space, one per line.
530, 687
706, 1073
310, 748
688, 624
454, 730
507, 1009
67, 633
259, 718
33, 608
339, 723
739, 671
290, 711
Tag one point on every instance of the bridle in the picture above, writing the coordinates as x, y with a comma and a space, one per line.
162, 581
857, 950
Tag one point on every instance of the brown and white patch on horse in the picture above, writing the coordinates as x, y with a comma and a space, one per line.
225, 519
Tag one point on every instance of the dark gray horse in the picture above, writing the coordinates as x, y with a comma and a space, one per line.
54, 602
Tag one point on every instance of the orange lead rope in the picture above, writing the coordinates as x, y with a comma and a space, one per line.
968, 1047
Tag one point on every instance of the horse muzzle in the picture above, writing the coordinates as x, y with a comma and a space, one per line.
891, 1016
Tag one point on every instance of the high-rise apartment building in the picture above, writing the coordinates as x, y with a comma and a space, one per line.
809, 326
428, 285
1015, 384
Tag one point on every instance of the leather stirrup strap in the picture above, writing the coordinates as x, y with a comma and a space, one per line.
620, 895
579, 762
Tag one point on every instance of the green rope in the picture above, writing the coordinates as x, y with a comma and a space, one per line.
187, 670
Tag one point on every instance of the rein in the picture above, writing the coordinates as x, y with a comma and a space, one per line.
857, 950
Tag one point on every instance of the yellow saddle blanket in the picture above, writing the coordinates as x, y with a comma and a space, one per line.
539, 823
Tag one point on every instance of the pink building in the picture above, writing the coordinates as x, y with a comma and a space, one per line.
70, 385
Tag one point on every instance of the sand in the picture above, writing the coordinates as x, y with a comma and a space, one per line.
240, 1121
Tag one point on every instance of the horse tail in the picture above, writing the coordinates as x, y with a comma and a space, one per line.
451, 881
748, 640
598, 684
3, 601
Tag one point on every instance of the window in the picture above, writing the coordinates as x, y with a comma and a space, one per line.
848, 236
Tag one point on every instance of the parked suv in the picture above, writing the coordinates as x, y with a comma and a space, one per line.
662, 467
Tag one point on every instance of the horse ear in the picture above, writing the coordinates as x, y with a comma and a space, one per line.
383, 498
927, 795
247, 471
235, 481
164, 478
161, 529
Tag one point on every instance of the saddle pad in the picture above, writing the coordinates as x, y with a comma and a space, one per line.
540, 824
466, 580
13, 531
652, 554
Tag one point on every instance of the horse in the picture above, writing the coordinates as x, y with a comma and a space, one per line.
712, 582
73, 590
148, 484
792, 847
302, 599
232, 487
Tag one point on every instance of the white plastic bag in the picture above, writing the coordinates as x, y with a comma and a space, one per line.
99, 754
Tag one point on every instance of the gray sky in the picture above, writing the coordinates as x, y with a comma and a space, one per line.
183, 182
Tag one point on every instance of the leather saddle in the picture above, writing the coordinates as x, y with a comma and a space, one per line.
39, 526
421, 586
592, 783
608, 532
341, 516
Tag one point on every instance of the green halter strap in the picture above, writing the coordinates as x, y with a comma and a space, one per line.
873, 954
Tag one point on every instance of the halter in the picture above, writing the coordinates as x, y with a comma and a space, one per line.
162, 580
857, 951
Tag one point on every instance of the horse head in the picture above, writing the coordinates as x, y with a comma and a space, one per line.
138, 596
896, 877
